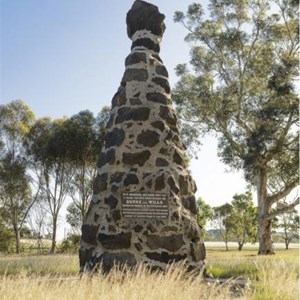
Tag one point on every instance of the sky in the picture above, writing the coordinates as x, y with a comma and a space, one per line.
65, 56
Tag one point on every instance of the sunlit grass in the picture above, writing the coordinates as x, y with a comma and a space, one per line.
245, 264
39, 265
276, 280
117, 285
56, 277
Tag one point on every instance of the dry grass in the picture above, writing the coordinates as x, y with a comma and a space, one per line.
63, 265
55, 277
276, 280
118, 285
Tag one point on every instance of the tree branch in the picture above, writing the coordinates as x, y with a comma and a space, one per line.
284, 209
284, 192
29, 207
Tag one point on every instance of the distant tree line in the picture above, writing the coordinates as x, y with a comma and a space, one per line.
237, 222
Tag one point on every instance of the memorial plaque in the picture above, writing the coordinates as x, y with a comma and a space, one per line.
145, 205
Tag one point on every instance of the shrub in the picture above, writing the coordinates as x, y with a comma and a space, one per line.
6, 239
70, 244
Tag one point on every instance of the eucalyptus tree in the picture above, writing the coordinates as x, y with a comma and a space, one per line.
221, 220
204, 214
84, 137
74, 218
16, 198
47, 149
242, 88
38, 222
243, 219
289, 223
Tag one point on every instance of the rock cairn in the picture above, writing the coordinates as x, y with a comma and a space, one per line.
142, 165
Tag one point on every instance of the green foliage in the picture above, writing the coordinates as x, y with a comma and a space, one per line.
15, 192
221, 219
6, 239
236, 221
289, 223
242, 87
85, 135
15, 120
204, 213
70, 244
243, 219
243, 82
74, 217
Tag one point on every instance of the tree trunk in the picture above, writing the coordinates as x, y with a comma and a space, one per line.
286, 239
264, 224
18, 240
226, 245
265, 237
287, 242
53, 242
240, 246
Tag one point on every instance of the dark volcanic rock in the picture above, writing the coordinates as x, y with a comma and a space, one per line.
132, 114
131, 179
183, 184
116, 215
165, 257
138, 228
109, 260
135, 101
178, 159
135, 58
192, 204
85, 255
100, 183
167, 114
134, 74
158, 98
138, 158
198, 251
173, 186
148, 138
144, 15
147, 43
164, 83
160, 182
106, 157
119, 98
116, 241
110, 122
161, 70
160, 162
159, 125
170, 243
116, 177
114, 138
111, 201
89, 234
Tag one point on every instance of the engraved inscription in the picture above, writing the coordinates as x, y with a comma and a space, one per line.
145, 205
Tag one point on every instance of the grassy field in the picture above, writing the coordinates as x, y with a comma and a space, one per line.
56, 277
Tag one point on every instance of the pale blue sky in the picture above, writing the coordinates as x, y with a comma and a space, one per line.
64, 56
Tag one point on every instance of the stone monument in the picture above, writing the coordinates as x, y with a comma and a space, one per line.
143, 207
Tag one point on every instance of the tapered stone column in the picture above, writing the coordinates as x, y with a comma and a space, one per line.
143, 207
